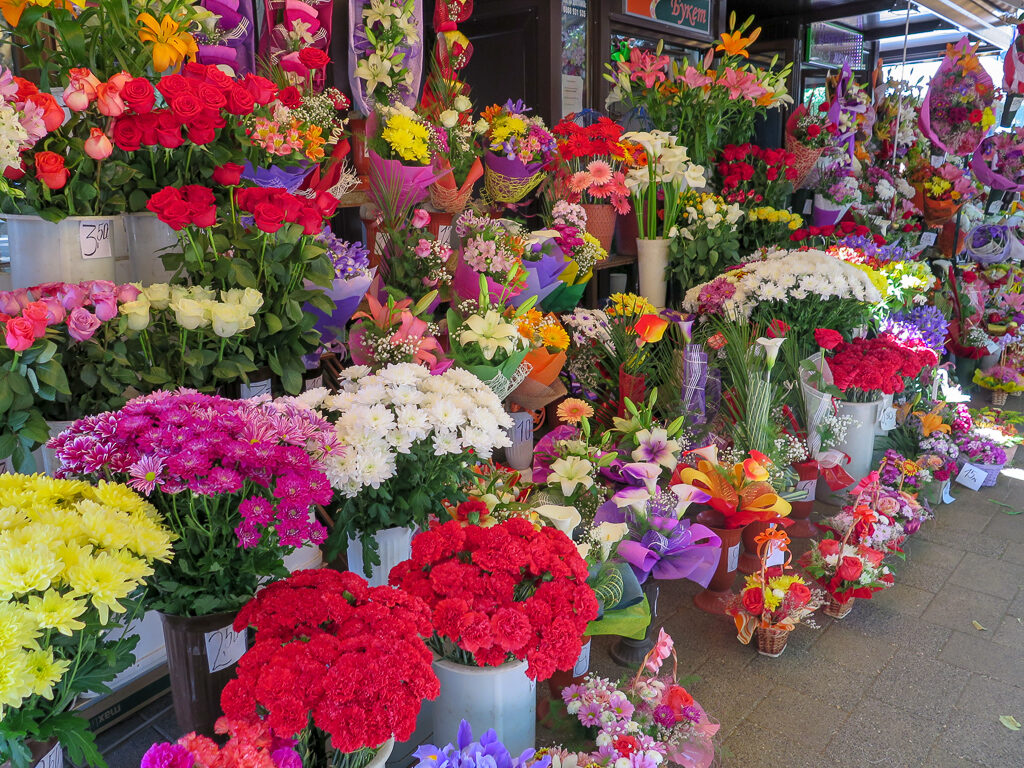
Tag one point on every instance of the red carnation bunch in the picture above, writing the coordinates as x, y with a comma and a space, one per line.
197, 101
330, 648
502, 593
865, 368
752, 174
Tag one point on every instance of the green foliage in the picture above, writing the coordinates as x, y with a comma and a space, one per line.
27, 381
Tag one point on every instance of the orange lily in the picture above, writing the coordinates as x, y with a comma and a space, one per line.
171, 45
12, 10
738, 498
735, 44
931, 422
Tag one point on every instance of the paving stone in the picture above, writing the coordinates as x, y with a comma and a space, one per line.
989, 575
1008, 527
980, 737
879, 733
920, 686
1010, 632
927, 552
729, 695
750, 745
956, 607
977, 654
930, 578
902, 598
984, 544
910, 632
1014, 553
941, 757
807, 719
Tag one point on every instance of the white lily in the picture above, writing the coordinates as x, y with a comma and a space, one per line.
571, 472
491, 332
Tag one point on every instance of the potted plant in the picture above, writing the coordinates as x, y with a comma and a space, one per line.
389, 483
66, 606
237, 489
772, 601
523, 618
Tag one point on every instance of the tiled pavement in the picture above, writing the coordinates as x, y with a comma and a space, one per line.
904, 680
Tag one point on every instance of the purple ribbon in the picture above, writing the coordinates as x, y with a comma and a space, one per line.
695, 379
669, 549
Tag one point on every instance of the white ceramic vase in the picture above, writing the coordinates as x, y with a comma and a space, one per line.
50, 464
72, 250
502, 698
394, 545
652, 261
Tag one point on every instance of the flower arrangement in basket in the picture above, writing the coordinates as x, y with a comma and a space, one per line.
957, 110
808, 135
458, 152
517, 149
773, 602
338, 648
999, 380
246, 745
74, 562
648, 719
405, 442
845, 568
236, 481
499, 594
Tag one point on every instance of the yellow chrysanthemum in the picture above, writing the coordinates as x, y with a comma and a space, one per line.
45, 671
17, 629
629, 304
122, 497
56, 611
12, 517
408, 138
16, 679
26, 568
103, 579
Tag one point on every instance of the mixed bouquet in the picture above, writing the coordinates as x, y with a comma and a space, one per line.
707, 238
74, 561
404, 439
595, 158
517, 149
388, 45
395, 332
236, 481
502, 593
493, 249
957, 110
338, 647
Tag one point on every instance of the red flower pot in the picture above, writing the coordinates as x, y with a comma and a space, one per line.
601, 222
802, 527
360, 158
719, 590
633, 387
749, 561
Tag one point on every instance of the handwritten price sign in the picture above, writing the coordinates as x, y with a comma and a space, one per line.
224, 647
971, 476
94, 238
52, 759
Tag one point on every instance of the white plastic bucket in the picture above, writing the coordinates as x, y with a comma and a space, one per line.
148, 239
394, 545
652, 260
72, 250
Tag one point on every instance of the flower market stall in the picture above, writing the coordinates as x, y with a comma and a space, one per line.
316, 410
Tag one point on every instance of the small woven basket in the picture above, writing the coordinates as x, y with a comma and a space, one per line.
838, 610
771, 641
999, 398
509, 189
448, 199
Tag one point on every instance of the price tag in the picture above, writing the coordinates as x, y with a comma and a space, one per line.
971, 476
224, 647
94, 238
808, 487
314, 383
583, 662
52, 759
809, 207
444, 234
775, 555
255, 389
734, 556
887, 418
928, 239
946, 497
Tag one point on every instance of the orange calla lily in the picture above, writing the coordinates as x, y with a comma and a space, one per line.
650, 328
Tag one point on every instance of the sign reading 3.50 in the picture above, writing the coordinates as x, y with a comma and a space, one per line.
94, 238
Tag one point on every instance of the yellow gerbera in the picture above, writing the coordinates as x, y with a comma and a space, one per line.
171, 45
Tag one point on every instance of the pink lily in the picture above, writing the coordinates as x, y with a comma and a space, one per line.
646, 67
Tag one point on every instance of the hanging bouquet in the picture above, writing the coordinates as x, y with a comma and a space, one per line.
707, 239
394, 332
772, 599
396, 475
998, 161
338, 647
517, 149
246, 745
236, 481
750, 174
647, 720
594, 160
957, 110
494, 593
385, 55
74, 567
865, 369
491, 249
661, 174
808, 134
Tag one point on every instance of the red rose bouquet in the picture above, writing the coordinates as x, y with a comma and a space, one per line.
865, 369
501, 593
336, 664
752, 174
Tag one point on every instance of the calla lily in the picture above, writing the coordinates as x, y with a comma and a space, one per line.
633, 497
609, 534
708, 453
687, 495
643, 472
650, 329
564, 519
771, 349
754, 470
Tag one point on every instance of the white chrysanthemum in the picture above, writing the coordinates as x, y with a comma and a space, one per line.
355, 372
446, 441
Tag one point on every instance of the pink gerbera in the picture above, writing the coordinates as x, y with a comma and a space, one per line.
600, 172
145, 474
579, 181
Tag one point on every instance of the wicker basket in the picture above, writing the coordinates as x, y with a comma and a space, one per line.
838, 610
991, 470
998, 398
500, 188
771, 641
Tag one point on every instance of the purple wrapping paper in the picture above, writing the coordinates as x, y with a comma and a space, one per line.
466, 284
986, 175
358, 46
825, 217
695, 378
395, 188
672, 549
346, 293
237, 48
544, 451
542, 275
514, 168
290, 179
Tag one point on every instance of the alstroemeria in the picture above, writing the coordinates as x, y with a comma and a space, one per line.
571, 472
654, 446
